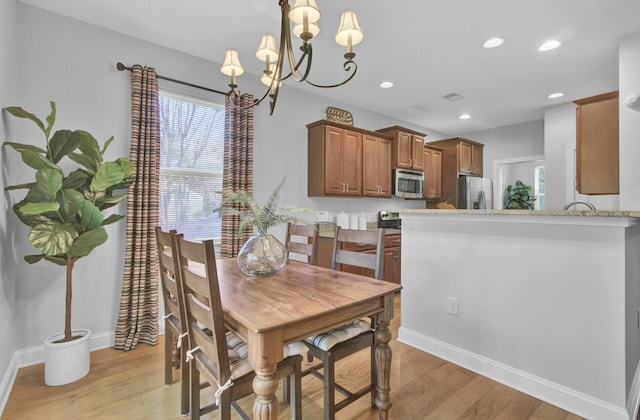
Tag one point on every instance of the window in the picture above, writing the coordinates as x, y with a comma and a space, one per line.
191, 161
539, 187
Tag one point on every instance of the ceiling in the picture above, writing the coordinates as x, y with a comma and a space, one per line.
427, 48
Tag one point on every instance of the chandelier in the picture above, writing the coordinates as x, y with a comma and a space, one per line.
305, 15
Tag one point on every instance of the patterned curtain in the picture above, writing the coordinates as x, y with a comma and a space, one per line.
238, 168
138, 316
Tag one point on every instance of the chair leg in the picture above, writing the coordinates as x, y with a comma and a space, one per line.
225, 406
374, 382
286, 389
296, 392
168, 350
184, 379
329, 386
194, 391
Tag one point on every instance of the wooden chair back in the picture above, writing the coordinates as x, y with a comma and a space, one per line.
309, 247
169, 271
357, 258
205, 323
175, 320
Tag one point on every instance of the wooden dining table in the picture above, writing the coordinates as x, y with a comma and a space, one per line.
300, 301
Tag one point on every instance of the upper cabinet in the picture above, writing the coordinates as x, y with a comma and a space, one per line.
432, 172
460, 156
597, 150
335, 161
376, 166
470, 158
407, 149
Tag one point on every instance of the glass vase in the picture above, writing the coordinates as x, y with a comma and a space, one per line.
262, 255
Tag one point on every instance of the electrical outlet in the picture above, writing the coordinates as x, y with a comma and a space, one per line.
452, 306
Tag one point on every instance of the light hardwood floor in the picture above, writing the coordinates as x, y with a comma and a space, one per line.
129, 385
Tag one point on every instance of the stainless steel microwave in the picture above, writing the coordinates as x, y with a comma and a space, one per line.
407, 184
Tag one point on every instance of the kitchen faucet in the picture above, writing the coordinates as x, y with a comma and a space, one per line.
573, 203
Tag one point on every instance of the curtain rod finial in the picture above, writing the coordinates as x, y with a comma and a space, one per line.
121, 67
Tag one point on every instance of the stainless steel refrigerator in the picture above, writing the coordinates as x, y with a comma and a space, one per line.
474, 193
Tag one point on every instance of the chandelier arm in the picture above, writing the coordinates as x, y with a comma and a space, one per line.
347, 67
234, 94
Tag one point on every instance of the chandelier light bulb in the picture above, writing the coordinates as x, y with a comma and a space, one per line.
304, 10
231, 66
349, 32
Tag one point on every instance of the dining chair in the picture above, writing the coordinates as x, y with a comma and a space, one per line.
216, 355
333, 346
308, 248
175, 327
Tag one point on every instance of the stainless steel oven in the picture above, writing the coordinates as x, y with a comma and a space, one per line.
407, 184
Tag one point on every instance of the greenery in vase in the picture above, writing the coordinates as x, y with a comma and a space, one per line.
519, 197
260, 217
64, 212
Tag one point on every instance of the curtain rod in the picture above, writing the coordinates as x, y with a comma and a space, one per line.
122, 67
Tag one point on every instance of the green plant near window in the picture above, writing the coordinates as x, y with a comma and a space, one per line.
260, 217
519, 196
65, 212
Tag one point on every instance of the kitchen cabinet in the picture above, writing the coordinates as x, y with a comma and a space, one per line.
334, 161
376, 166
407, 149
597, 149
432, 172
470, 161
460, 156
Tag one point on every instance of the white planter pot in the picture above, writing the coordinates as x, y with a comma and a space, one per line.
66, 362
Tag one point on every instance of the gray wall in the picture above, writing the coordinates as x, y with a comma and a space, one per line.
508, 142
8, 28
629, 123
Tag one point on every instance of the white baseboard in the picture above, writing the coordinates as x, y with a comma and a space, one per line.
561, 396
7, 382
633, 402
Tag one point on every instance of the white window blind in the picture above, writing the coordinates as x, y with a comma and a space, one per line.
191, 162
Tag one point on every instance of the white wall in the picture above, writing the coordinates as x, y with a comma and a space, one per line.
73, 63
563, 330
629, 123
8, 28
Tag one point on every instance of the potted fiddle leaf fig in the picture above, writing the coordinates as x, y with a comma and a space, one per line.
64, 211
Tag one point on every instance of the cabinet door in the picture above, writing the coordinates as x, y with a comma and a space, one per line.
597, 145
351, 162
417, 154
476, 160
383, 167
404, 150
333, 144
464, 158
389, 265
376, 166
343, 162
397, 266
432, 173
436, 163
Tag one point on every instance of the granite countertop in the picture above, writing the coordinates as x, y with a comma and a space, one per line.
586, 213
328, 230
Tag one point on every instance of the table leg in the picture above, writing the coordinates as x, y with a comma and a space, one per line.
265, 384
383, 368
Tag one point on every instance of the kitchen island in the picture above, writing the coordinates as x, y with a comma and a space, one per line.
547, 302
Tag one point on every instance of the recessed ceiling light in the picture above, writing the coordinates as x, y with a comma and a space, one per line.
556, 95
493, 43
549, 45
464, 116
386, 84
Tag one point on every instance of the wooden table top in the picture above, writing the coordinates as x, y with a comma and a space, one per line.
301, 294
